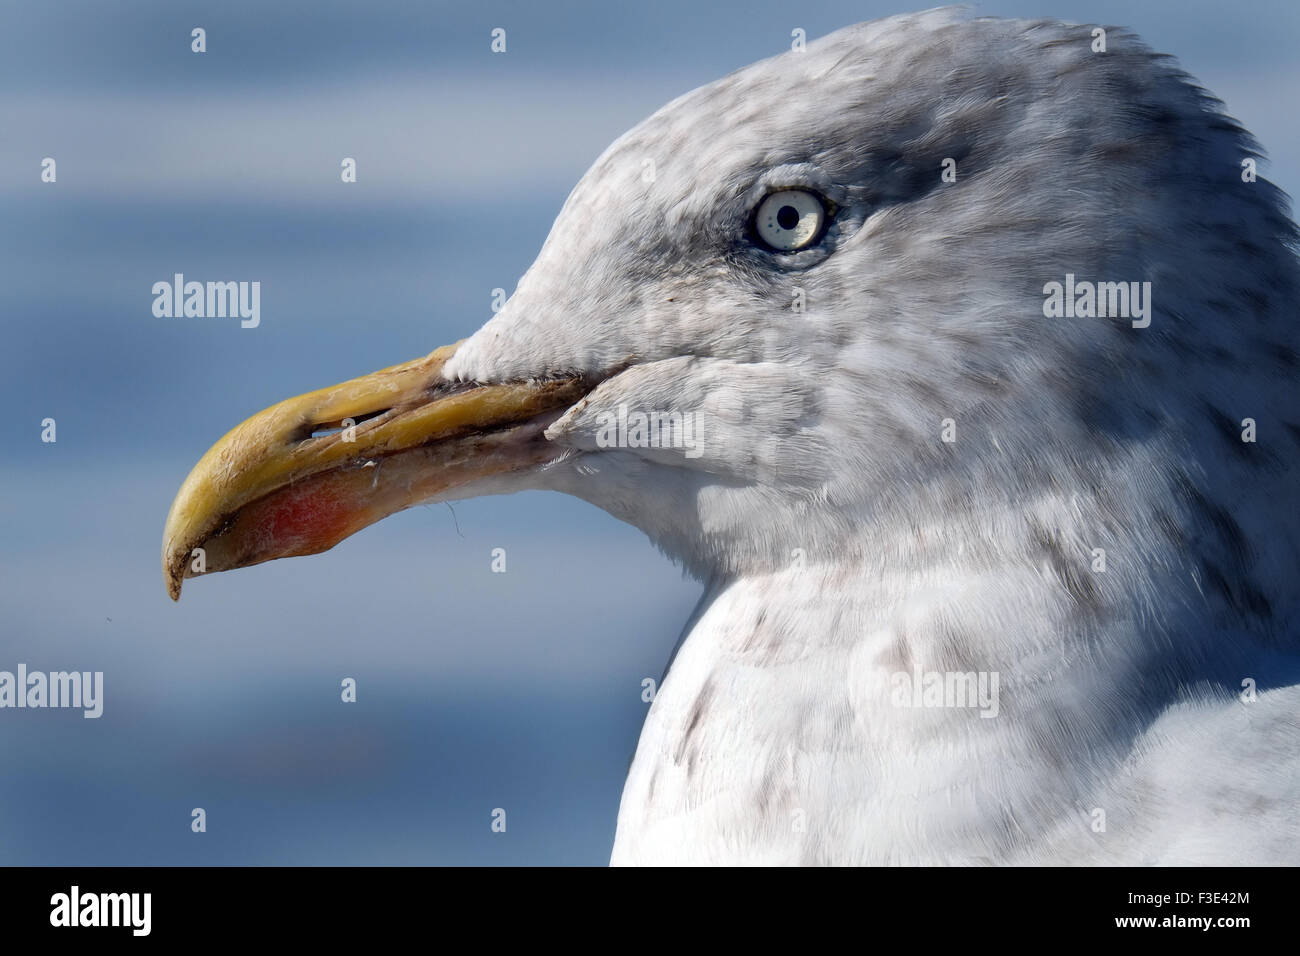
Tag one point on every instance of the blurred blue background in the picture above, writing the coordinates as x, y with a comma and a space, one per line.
475, 690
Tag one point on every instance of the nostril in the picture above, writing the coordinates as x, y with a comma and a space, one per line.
325, 429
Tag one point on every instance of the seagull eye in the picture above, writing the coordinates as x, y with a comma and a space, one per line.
790, 220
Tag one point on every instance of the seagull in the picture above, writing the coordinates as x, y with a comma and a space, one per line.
957, 358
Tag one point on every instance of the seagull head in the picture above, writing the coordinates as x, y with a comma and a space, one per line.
799, 301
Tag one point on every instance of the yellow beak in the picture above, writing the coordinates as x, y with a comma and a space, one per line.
303, 475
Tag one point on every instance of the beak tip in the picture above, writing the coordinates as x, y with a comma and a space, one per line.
172, 580
173, 565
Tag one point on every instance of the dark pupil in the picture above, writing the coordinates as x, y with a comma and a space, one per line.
788, 217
